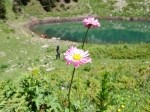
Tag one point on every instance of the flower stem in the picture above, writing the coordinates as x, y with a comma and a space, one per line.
70, 87
79, 93
85, 37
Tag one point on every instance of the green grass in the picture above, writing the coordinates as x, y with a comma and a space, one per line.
17, 50
127, 83
126, 68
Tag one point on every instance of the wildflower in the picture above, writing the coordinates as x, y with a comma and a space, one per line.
76, 57
122, 106
35, 71
119, 110
62, 88
91, 22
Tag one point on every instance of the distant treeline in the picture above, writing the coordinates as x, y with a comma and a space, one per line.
47, 5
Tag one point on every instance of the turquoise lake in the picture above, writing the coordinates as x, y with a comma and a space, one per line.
110, 31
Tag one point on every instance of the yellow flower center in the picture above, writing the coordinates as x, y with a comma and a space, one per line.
76, 56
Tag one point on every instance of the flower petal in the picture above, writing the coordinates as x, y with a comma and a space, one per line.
73, 51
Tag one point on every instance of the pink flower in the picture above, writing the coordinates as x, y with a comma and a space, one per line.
76, 57
91, 22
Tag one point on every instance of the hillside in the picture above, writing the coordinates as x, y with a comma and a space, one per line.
102, 8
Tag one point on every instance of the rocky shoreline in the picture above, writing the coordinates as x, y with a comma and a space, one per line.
34, 21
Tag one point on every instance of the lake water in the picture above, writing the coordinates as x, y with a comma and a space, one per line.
109, 32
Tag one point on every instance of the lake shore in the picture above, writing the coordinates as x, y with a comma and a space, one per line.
34, 21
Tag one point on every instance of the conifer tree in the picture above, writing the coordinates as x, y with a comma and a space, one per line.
25, 2
47, 4
16, 6
2, 10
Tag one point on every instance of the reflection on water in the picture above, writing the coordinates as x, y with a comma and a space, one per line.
109, 32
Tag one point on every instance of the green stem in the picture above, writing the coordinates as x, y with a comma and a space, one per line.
70, 87
85, 37
79, 93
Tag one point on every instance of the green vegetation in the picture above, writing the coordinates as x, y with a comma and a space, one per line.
117, 79
102, 8
125, 8
106, 84
31, 79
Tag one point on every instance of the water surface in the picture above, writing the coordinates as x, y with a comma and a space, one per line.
109, 32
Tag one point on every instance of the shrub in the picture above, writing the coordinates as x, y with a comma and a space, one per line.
33, 93
2, 10
48, 4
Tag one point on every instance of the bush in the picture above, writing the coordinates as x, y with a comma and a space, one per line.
121, 51
48, 4
17, 5
33, 93
2, 10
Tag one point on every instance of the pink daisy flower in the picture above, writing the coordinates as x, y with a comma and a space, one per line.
76, 57
91, 22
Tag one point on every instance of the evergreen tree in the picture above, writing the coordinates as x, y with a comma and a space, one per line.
67, 1
25, 2
2, 10
48, 4
16, 6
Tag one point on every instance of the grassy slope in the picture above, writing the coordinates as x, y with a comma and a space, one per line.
129, 67
138, 8
20, 51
